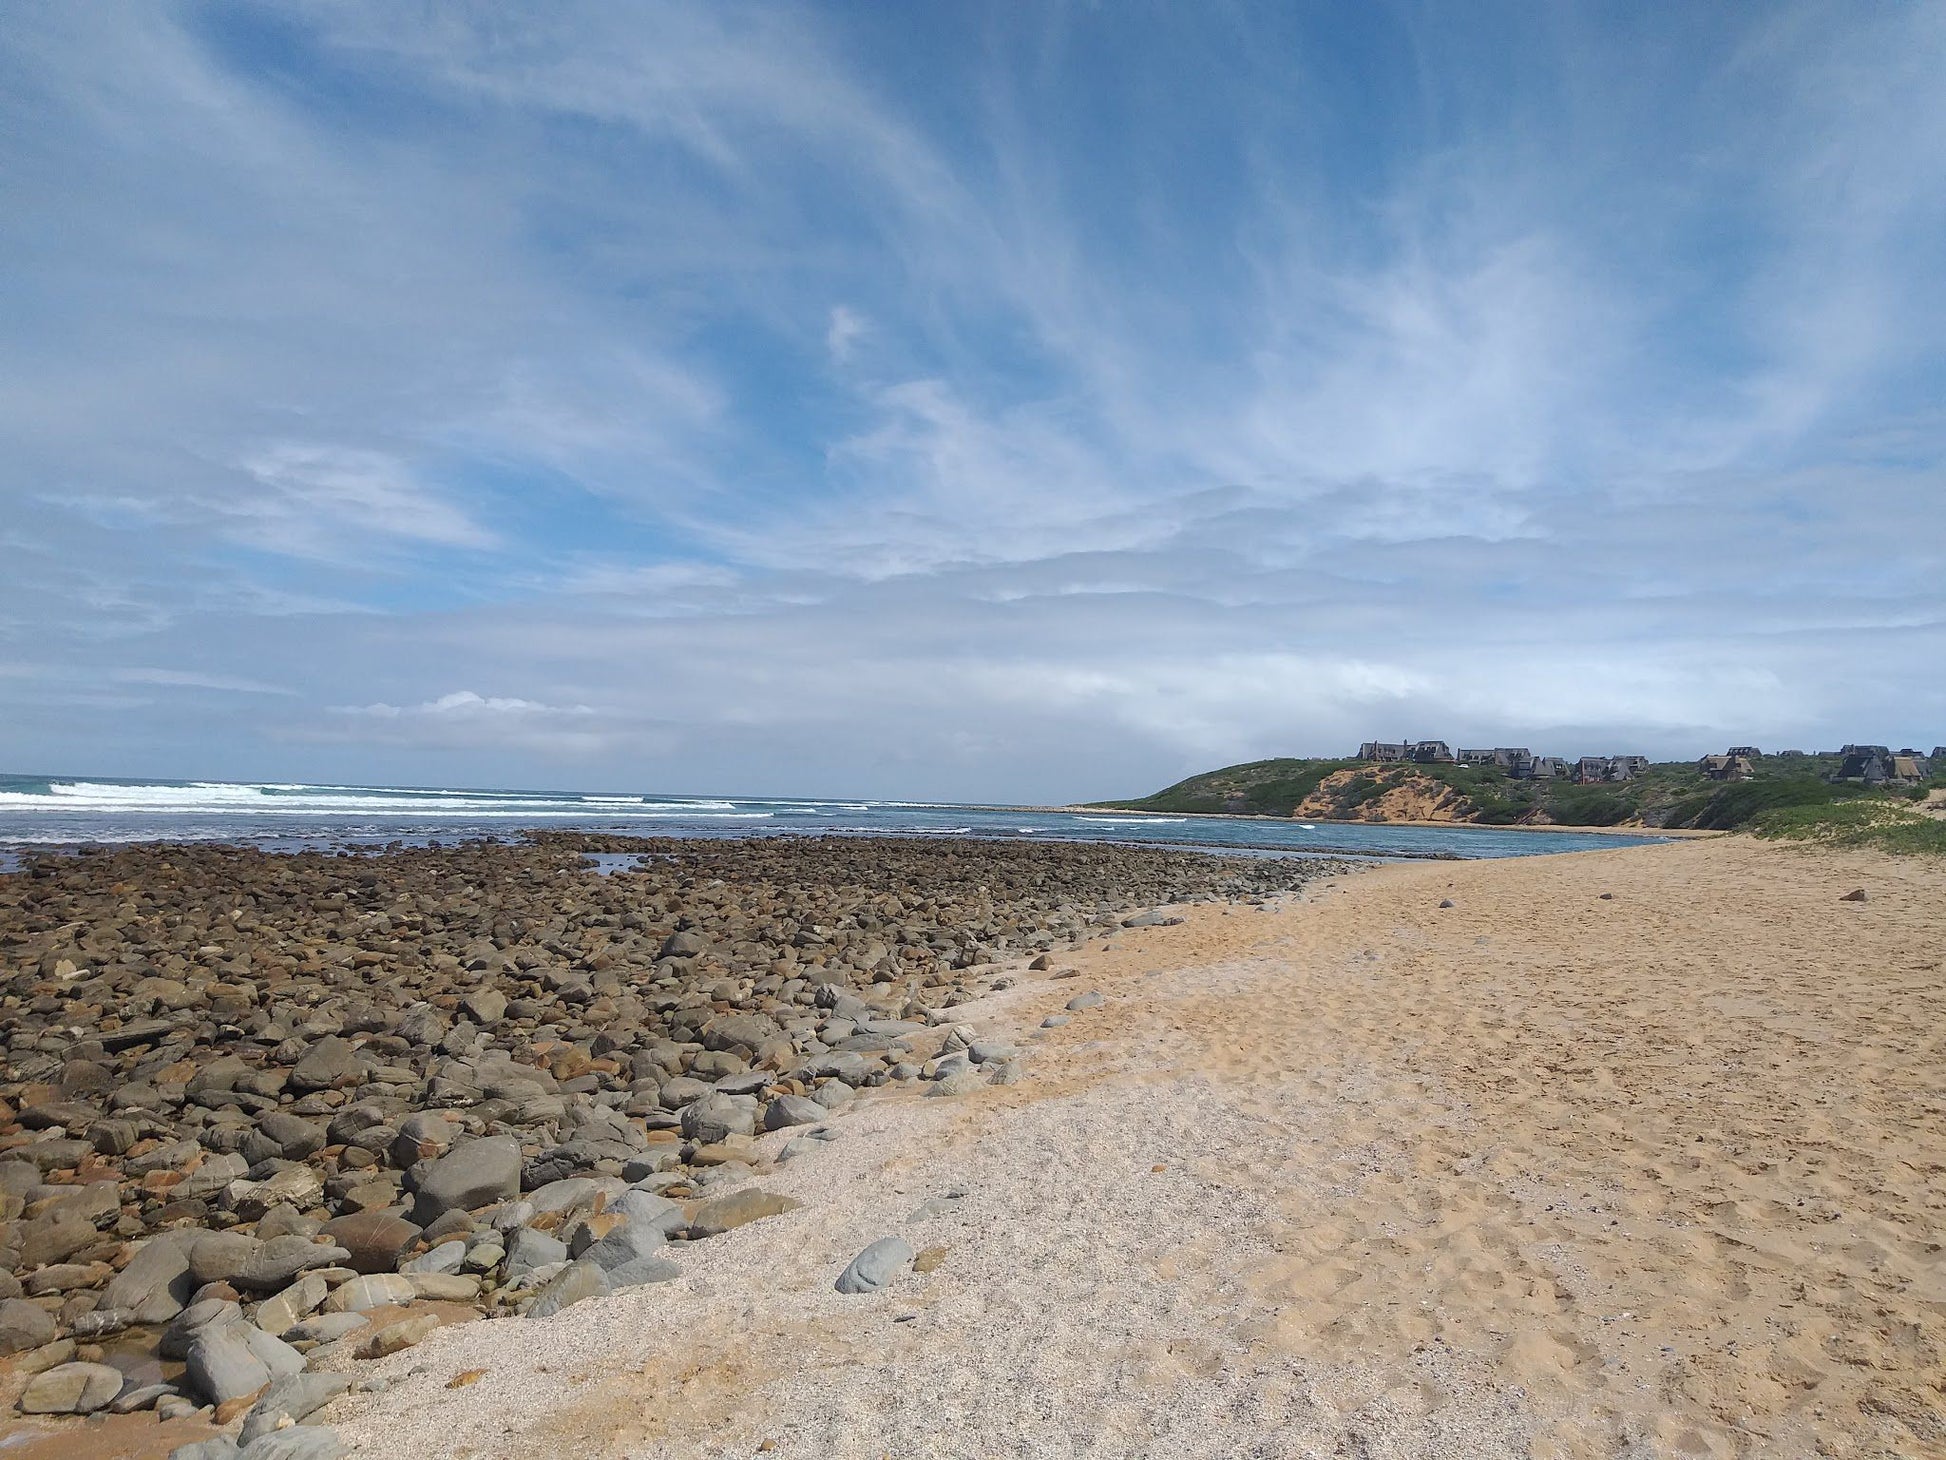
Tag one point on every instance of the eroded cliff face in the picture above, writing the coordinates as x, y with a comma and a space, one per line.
1396, 793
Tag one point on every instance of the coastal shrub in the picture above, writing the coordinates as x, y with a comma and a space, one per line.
1860, 822
1735, 805
1590, 806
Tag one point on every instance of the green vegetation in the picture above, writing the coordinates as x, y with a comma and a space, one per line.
1875, 821
1672, 794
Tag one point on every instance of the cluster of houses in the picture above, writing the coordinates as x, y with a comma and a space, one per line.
1517, 761
1874, 765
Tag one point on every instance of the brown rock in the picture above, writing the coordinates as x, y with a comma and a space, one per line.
374, 1239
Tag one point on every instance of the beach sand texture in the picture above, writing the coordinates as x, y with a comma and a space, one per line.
1539, 1173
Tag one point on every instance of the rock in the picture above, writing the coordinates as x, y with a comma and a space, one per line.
1857, 894
624, 1244
396, 1336
219, 1256
1446, 902
53, 1239
289, 1400
71, 1389
373, 1240
444, 1287
327, 1327
529, 1248
375, 1290
299, 1442
572, 1284
157, 1283
790, 1110
930, 1259
737, 1209
875, 1267
716, 1117
24, 1325
1085, 1001
277, 1315
203, 1313
654, 1268
134, 1401
231, 1361
332, 1062
1055, 1021
217, 1447
473, 1174
446, 1258
960, 1082
487, 1006
277, 1261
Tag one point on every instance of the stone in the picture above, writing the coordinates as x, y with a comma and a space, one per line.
134, 1401
298, 1442
219, 1256
623, 1244
961, 1082
277, 1261
1085, 1001
789, 1110
375, 1290
201, 1314
717, 1117
326, 1327
289, 1400
473, 1174
738, 1208
156, 1284
53, 1239
332, 1062
874, 1268
24, 1325
572, 1284
1857, 894
929, 1259
446, 1257
222, 1366
396, 1336
217, 1447
653, 1268
528, 1249
374, 1240
444, 1287
287, 1309
71, 1389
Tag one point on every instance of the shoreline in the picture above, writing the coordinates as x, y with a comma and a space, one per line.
1657, 832
1570, 1203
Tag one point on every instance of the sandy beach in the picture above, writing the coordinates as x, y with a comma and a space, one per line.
1623, 1153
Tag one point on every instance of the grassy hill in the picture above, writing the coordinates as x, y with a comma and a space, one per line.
1668, 794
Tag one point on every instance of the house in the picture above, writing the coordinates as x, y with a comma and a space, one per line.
1479, 759
1384, 751
1547, 768
1431, 752
1591, 769
1939, 755
1871, 764
1909, 768
1628, 767
1732, 766
1748, 752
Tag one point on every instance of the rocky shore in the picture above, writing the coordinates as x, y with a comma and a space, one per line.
265, 1116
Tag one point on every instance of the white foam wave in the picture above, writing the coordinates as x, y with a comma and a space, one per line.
1136, 820
220, 798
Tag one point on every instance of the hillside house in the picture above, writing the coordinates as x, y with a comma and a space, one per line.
1748, 752
1432, 752
1547, 768
1593, 769
1731, 766
1909, 768
1513, 759
1939, 755
1384, 751
1871, 764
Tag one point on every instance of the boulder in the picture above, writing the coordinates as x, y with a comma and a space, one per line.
874, 1268
717, 1117
71, 1389
373, 1240
289, 1400
737, 1209
24, 1325
473, 1174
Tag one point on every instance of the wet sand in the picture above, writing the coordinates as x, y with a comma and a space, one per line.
1541, 1173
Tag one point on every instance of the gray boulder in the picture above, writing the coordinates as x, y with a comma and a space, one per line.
71, 1389
24, 1325
529, 1248
790, 1110
277, 1261
157, 1283
291, 1398
474, 1174
572, 1284
299, 1442
875, 1267
717, 1117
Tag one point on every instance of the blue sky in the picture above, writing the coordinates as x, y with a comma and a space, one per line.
987, 401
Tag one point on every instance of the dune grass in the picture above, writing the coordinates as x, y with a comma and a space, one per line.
1877, 822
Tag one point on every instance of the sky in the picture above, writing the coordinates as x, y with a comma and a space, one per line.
1022, 402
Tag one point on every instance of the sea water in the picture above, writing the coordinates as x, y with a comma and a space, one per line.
43, 811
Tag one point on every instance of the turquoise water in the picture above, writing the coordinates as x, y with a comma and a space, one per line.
43, 811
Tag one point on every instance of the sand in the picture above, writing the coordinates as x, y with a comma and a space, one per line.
1540, 1173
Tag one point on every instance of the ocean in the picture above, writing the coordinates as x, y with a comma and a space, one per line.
43, 811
